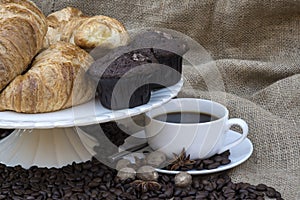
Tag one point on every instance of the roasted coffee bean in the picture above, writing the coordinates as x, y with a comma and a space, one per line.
261, 187
100, 173
209, 188
162, 196
271, 192
192, 192
68, 194
198, 162
165, 178
27, 192
67, 169
19, 192
77, 189
97, 180
220, 183
6, 185
106, 194
213, 195
16, 187
118, 192
225, 161
202, 194
35, 194
233, 186
5, 191
184, 194
208, 161
93, 184
228, 191
205, 182
196, 183
16, 198
218, 158
144, 196
35, 180
87, 165
177, 192
277, 195
169, 192
112, 190
200, 166
187, 198
103, 187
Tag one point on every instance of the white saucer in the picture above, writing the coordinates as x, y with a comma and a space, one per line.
238, 154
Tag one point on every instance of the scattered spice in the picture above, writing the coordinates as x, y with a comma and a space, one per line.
181, 162
145, 186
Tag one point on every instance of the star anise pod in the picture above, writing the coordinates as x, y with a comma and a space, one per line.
145, 186
181, 162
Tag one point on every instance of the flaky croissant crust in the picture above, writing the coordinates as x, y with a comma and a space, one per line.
22, 30
87, 32
55, 81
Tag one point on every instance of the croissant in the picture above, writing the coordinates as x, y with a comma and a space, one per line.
100, 30
63, 16
71, 25
22, 30
57, 20
55, 81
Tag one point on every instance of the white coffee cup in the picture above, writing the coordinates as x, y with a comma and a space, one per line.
200, 140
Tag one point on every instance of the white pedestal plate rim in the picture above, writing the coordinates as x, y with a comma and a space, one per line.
47, 139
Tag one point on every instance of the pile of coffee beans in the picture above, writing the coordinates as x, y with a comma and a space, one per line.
94, 180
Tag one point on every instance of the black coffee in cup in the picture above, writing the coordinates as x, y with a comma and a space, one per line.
186, 117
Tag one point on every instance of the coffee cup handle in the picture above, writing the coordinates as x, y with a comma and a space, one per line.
243, 125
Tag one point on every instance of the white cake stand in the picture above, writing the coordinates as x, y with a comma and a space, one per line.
51, 139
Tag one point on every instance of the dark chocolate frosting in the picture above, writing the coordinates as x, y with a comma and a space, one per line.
151, 47
122, 60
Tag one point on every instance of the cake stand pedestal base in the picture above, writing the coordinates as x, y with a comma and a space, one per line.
46, 147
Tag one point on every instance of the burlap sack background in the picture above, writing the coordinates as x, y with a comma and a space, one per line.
256, 47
